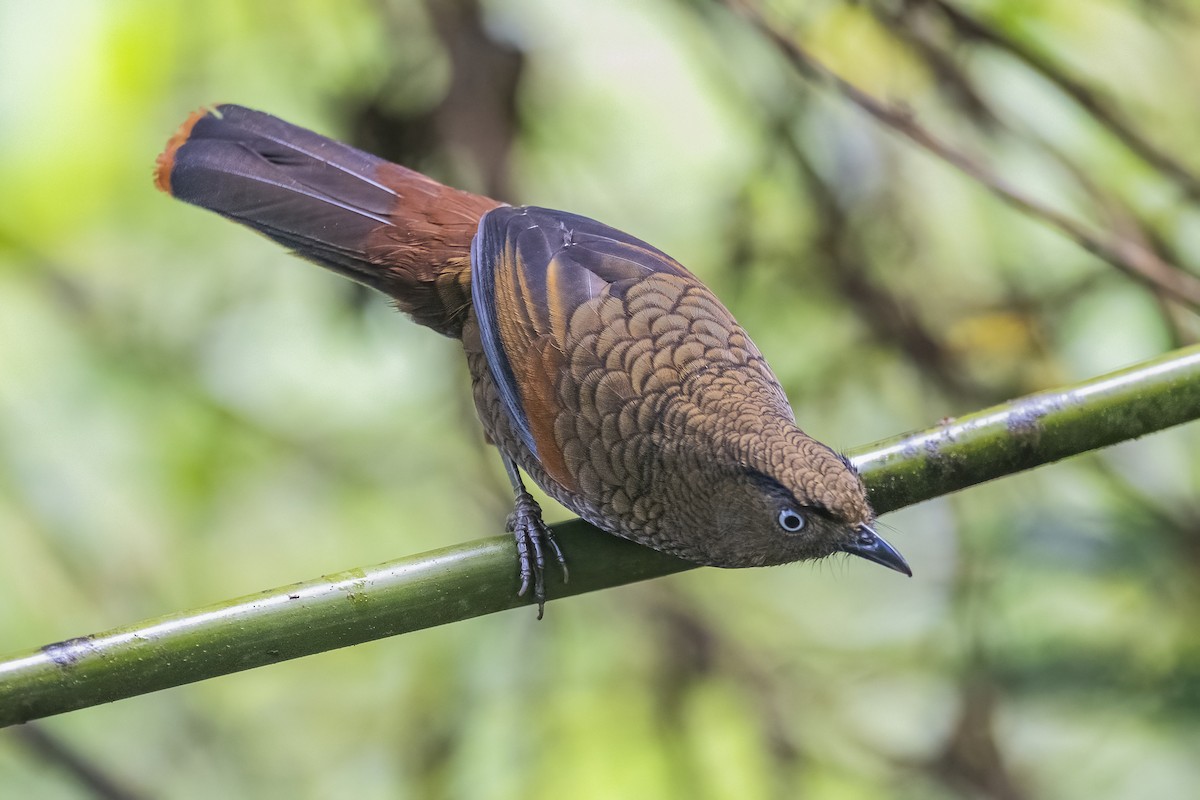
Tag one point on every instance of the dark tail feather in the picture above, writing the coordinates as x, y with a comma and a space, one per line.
312, 194
378, 223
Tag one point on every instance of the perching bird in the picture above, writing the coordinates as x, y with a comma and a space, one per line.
600, 366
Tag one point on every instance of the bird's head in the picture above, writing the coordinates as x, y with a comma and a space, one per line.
793, 499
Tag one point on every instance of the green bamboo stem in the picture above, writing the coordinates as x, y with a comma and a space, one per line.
1034, 430
476, 578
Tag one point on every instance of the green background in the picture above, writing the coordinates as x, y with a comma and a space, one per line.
188, 414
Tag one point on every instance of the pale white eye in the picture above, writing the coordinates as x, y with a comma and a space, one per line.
791, 520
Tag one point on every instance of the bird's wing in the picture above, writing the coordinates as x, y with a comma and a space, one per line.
531, 270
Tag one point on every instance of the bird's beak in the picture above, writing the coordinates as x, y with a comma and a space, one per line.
870, 545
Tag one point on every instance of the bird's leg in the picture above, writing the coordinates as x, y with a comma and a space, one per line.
525, 523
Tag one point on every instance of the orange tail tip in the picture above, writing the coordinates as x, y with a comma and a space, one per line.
166, 159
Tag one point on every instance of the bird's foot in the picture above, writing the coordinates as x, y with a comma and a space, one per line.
532, 534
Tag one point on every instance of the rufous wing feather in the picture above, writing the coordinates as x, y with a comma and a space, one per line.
532, 270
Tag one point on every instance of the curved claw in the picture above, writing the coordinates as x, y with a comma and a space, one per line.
531, 532
558, 554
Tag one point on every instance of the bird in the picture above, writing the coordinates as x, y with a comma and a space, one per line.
600, 367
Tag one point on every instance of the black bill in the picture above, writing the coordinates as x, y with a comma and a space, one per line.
870, 545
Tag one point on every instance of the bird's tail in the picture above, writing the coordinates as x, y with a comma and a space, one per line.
381, 224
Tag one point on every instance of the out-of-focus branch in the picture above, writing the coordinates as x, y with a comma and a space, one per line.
1128, 256
466, 138
1132, 227
89, 774
971, 28
891, 321
909, 23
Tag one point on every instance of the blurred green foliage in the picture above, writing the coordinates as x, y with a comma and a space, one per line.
188, 414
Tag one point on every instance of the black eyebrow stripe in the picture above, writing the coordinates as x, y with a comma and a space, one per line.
767, 480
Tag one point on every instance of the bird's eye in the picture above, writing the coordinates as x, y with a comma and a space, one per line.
791, 521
